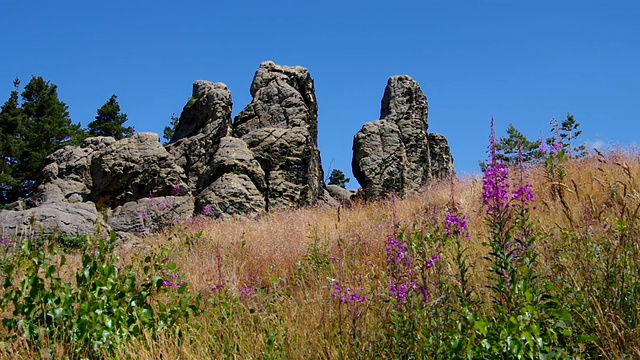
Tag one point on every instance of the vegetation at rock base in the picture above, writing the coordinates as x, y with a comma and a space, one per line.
110, 121
503, 266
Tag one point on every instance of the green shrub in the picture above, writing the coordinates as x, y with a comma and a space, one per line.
105, 307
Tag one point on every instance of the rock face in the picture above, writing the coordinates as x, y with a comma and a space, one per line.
396, 154
280, 127
105, 178
267, 159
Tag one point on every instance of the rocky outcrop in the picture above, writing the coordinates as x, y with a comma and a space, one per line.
280, 127
266, 159
205, 119
394, 154
105, 179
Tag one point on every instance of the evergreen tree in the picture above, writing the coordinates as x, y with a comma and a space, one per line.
11, 121
516, 148
110, 122
337, 178
568, 133
171, 129
47, 127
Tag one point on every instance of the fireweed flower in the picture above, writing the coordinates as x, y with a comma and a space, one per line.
246, 291
396, 252
215, 288
347, 295
524, 194
454, 225
142, 213
169, 283
495, 188
434, 259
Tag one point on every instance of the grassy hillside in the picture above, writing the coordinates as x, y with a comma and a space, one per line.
459, 269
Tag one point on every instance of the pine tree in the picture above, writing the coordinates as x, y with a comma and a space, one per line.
568, 133
171, 129
47, 127
11, 144
337, 178
516, 148
110, 122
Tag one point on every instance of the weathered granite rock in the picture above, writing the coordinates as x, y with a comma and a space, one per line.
280, 126
205, 119
379, 159
52, 219
239, 181
340, 194
134, 168
147, 215
440, 156
393, 154
231, 194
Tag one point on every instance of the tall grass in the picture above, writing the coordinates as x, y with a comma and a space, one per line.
434, 275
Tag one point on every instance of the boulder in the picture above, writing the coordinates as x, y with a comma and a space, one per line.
440, 156
61, 218
134, 168
393, 155
379, 159
239, 183
340, 194
150, 214
231, 194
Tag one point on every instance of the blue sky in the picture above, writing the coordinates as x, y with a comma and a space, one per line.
522, 62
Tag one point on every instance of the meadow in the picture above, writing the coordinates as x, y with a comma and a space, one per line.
534, 262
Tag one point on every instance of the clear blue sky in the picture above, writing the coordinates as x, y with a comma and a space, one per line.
522, 62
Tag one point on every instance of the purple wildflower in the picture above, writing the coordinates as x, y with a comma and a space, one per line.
543, 148
206, 210
142, 212
348, 295
246, 291
454, 225
169, 283
5, 241
175, 190
524, 194
432, 261
396, 252
495, 188
215, 288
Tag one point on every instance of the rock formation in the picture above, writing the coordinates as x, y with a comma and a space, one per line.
125, 181
280, 127
267, 158
396, 154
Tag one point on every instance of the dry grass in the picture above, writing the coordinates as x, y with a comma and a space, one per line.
272, 253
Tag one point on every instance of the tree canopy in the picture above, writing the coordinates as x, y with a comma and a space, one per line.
31, 131
337, 178
110, 121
